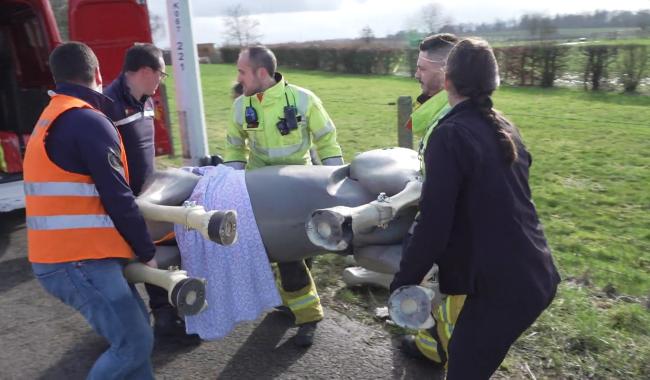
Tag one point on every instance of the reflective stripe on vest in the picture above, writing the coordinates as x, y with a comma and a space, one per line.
283, 151
329, 127
72, 189
302, 103
239, 113
302, 100
236, 141
65, 222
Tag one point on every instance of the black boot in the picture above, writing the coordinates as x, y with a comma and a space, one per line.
305, 335
286, 312
169, 327
410, 349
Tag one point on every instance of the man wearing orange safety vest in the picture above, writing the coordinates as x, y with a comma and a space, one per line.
82, 221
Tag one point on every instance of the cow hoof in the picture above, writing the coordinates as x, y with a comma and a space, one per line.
222, 227
330, 230
188, 296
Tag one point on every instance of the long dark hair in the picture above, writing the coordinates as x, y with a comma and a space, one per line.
472, 69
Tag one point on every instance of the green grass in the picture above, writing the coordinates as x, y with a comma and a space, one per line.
591, 184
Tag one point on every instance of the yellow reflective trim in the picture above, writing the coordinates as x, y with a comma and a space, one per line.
302, 99
236, 141
428, 346
448, 309
238, 111
283, 151
443, 311
329, 127
303, 302
427, 341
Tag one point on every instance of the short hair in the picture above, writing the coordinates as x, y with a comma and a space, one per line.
261, 56
442, 42
142, 55
73, 62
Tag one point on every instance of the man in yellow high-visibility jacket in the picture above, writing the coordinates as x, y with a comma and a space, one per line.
431, 106
276, 123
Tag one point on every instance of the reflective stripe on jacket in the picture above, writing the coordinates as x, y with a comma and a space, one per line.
66, 220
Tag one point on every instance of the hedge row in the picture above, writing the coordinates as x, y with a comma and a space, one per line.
542, 65
533, 65
348, 59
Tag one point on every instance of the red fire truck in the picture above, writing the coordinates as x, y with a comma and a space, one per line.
28, 32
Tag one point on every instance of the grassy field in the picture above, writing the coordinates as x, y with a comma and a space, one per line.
591, 184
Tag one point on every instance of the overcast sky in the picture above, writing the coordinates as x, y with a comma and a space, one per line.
305, 20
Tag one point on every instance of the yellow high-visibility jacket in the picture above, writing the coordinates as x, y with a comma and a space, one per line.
425, 118
262, 144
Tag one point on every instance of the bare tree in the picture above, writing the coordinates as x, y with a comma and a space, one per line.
241, 29
633, 66
431, 18
60, 9
157, 26
367, 35
538, 26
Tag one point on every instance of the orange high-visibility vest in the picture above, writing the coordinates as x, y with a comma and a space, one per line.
66, 220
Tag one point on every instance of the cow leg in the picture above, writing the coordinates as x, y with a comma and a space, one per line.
334, 228
185, 293
217, 226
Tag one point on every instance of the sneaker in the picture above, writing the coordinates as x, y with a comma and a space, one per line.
168, 326
305, 335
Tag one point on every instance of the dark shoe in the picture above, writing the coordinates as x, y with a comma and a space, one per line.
285, 311
169, 327
410, 349
305, 335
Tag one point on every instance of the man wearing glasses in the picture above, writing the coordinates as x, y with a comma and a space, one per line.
133, 115
133, 108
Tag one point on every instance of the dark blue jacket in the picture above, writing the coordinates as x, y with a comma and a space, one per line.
134, 119
477, 218
81, 141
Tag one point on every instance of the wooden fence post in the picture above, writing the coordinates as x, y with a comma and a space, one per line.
404, 109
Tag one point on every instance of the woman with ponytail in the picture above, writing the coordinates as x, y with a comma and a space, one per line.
478, 222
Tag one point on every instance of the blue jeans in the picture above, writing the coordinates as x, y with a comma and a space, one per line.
112, 307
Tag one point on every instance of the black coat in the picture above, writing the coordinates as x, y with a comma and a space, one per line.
134, 119
477, 219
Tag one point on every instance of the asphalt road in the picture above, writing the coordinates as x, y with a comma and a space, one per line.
43, 339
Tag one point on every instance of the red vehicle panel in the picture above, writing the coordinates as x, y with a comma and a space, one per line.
110, 27
28, 33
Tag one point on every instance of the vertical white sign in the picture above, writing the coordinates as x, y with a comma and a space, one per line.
189, 97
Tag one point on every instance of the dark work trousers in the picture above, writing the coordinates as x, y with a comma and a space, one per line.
293, 275
485, 330
158, 297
